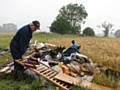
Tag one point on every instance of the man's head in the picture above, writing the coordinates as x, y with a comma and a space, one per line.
73, 41
35, 25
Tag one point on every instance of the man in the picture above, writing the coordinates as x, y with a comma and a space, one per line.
74, 45
67, 53
20, 43
72, 49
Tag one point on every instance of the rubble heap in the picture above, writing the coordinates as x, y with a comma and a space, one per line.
59, 65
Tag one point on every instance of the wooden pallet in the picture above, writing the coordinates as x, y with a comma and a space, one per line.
60, 79
49, 74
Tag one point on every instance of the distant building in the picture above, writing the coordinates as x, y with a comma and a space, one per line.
0, 28
117, 33
9, 27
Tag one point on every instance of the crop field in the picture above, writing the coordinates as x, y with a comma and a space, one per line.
104, 51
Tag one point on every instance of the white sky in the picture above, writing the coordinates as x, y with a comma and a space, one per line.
22, 12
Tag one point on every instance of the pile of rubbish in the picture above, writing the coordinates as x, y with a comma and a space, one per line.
60, 65
61, 59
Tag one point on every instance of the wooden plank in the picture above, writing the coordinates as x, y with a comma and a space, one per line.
4, 69
47, 71
85, 84
39, 68
33, 62
29, 65
25, 64
68, 79
10, 64
52, 75
42, 70
4, 64
9, 71
48, 74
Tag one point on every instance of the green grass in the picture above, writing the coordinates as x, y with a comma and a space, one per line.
7, 82
48, 37
5, 39
5, 57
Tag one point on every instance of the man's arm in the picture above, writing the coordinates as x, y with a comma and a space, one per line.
24, 42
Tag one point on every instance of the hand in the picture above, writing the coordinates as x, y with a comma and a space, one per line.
19, 59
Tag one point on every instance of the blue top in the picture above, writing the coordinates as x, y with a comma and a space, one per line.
75, 46
20, 41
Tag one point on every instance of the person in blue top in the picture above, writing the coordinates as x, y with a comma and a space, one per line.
20, 42
74, 45
72, 49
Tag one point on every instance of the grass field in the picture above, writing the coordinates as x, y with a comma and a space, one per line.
105, 51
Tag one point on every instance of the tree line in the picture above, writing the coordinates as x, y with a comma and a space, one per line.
70, 19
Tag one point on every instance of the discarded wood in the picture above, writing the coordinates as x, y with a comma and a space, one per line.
29, 65
9, 71
47, 75
67, 78
4, 69
75, 81
42, 72
25, 64
34, 62
50, 79
10, 64
47, 71
4, 64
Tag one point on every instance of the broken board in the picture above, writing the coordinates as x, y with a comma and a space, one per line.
67, 78
75, 81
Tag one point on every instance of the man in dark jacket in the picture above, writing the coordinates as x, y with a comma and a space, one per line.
20, 43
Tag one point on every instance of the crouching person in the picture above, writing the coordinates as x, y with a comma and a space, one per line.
75, 46
68, 52
19, 45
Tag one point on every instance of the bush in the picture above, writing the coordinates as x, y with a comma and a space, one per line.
88, 32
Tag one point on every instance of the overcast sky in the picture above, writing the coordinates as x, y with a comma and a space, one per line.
22, 12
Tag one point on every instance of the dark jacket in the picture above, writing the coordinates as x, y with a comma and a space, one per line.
20, 42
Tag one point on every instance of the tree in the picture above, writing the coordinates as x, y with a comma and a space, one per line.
88, 32
74, 14
107, 28
61, 26
117, 33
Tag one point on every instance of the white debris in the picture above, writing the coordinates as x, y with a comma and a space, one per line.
40, 45
59, 56
45, 62
48, 58
87, 78
48, 44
